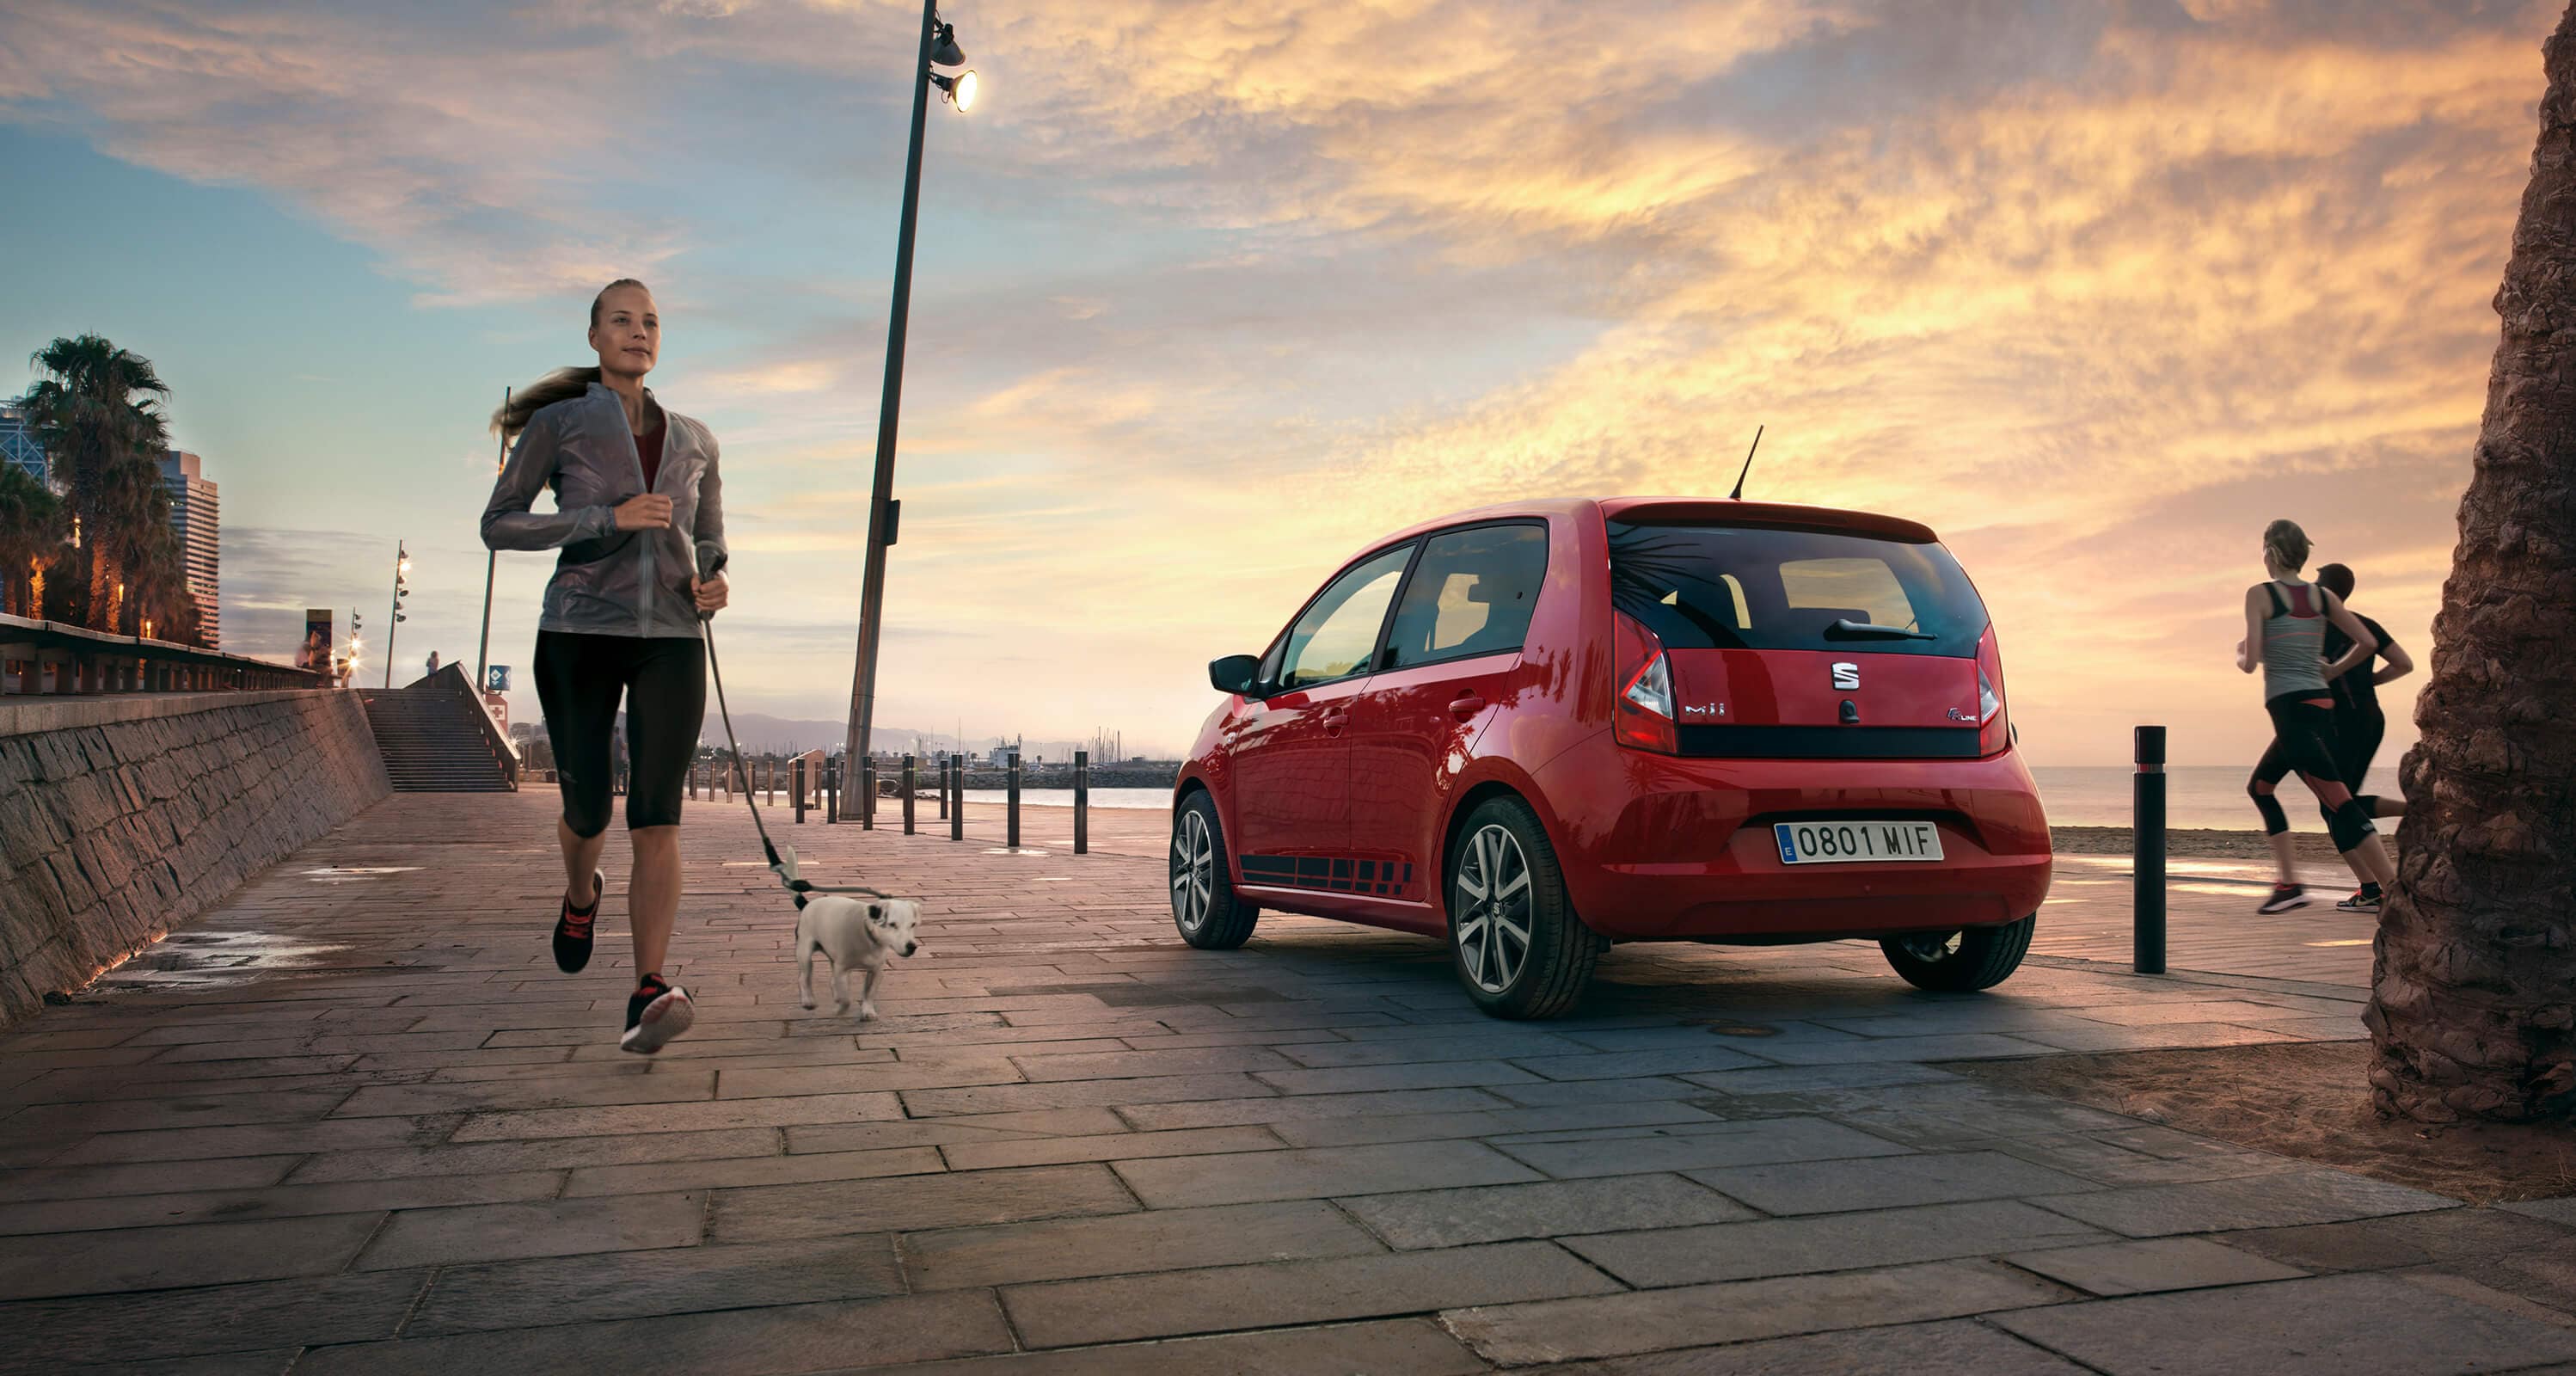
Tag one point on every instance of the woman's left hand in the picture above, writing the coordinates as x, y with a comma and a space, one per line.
710, 592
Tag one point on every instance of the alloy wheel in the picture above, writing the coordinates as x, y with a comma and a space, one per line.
1193, 871
1493, 909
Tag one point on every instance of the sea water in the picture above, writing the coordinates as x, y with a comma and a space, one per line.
2196, 796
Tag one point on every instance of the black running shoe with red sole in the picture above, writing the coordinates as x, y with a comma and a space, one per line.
574, 928
657, 1013
2284, 898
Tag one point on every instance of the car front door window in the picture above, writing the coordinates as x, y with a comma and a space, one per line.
1334, 638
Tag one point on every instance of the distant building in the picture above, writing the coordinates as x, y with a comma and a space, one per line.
194, 512
18, 440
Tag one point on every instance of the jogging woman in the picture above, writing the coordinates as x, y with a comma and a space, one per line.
2285, 622
2359, 724
638, 511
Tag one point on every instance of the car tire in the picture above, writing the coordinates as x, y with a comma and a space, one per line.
1960, 962
1210, 914
1501, 846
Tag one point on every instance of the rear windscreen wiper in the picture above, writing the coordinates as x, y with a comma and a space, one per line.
1844, 628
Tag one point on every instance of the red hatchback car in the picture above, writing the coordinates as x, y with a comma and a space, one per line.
1536, 730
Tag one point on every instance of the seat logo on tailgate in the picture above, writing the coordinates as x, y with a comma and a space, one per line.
1846, 675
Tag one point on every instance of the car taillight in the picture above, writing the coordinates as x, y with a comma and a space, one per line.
1643, 718
1994, 732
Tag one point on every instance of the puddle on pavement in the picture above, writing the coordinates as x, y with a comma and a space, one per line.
207, 960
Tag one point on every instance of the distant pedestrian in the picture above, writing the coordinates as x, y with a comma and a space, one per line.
638, 512
2285, 624
2359, 724
433, 662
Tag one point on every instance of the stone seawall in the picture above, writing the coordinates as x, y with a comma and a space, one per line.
120, 818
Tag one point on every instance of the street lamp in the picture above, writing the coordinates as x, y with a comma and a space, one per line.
402, 568
958, 90
938, 49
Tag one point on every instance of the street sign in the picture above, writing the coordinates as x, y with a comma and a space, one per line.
496, 679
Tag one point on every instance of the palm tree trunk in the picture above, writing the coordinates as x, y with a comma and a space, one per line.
2473, 999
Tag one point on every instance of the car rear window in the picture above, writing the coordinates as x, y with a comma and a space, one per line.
1702, 587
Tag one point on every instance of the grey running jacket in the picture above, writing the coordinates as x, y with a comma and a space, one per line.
610, 581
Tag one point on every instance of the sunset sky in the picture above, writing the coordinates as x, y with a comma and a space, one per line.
1210, 294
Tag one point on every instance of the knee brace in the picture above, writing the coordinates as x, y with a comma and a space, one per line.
2350, 825
2275, 821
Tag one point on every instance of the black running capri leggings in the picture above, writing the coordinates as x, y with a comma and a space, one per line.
2303, 738
664, 682
2357, 737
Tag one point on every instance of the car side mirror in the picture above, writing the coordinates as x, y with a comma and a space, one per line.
1234, 673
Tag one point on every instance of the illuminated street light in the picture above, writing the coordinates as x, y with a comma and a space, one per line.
402, 566
959, 90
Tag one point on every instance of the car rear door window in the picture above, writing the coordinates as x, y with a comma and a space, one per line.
1472, 594
1339, 629
1765, 588
1863, 588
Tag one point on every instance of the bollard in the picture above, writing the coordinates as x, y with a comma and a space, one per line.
1082, 802
911, 782
831, 791
868, 794
957, 800
796, 781
2147, 836
944, 764
1012, 827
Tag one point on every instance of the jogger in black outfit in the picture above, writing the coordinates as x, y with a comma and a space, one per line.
638, 511
2359, 725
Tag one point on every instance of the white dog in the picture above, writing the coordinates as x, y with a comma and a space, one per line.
855, 934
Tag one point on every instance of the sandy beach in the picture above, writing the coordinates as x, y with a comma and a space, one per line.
2195, 844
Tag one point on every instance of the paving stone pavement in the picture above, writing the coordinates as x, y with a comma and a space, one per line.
353, 1121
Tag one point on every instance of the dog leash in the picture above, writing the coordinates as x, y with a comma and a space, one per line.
785, 869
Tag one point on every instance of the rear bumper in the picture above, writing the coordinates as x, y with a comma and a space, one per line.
1656, 847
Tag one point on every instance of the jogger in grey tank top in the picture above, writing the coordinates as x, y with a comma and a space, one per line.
2285, 621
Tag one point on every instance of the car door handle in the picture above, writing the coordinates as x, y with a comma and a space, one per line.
1335, 720
1466, 705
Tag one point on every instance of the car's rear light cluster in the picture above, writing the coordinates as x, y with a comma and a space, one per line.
1643, 718
1994, 731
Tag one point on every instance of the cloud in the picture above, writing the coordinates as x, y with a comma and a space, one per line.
1224, 291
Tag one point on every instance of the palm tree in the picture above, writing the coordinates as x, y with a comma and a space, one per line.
33, 525
2473, 996
135, 538
93, 428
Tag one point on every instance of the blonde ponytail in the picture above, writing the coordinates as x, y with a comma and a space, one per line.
563, 384
2287, 544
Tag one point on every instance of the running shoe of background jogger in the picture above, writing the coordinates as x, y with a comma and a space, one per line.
2284, 898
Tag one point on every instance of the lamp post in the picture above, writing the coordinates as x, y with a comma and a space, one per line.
938, 48
491, 562
402, 567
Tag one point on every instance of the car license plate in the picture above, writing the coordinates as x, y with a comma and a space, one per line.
1812, 843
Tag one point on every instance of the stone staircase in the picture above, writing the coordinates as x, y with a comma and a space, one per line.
432, 744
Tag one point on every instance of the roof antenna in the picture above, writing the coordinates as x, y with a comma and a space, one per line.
1738, 494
